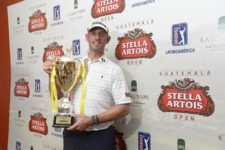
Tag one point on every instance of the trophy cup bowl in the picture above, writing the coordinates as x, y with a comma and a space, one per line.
67, 75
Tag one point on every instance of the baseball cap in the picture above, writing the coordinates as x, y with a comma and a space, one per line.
97, 24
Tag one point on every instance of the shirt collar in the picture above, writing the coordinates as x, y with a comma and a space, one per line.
102, 59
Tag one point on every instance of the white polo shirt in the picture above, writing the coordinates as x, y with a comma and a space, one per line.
106, 87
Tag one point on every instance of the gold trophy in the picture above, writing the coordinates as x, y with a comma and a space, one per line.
66, 73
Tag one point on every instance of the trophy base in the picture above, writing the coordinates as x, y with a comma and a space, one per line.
63, 121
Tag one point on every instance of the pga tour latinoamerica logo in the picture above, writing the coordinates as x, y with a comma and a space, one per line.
107, 7
18, 145
37, 21
186, 96
53, 50
38, 85
144, 141
120, 143
21, 88
56, 12
38, 124
19, 53
76, 47
179, 34
135, 44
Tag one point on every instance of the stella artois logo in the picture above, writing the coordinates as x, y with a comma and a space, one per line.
186, 96
135, 44
38, 124
107, 7
22, 88
53, 50
37, 21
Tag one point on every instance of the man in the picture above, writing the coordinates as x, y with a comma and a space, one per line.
106, 97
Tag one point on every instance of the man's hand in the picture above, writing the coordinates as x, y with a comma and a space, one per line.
82, 123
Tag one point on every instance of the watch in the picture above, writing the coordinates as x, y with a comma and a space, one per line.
94, 120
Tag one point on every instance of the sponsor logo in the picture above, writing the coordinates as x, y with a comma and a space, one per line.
18, 20
221, 22
180, 38
75, 4
56, 12
186, 96
179, 34
180, 144
19, 121
37, 21
20, 56
56, 15
76, 47
21, 88
137, 99
19, 114
214, 42
38, 124
135, 44
19, 53
75, 15
53, 50
31, 148
57, 132
37, 86
221, 137
144, 141
32, 49
120, 143
18, 145
133, 85
145, 2
33, 58
19, 27
107, 7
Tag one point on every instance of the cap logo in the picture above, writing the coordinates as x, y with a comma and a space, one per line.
98, 24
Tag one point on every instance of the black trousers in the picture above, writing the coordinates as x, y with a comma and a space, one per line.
89, 140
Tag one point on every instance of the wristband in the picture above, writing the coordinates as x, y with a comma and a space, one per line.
94, 120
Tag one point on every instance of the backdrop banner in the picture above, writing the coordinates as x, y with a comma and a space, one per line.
171, 52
